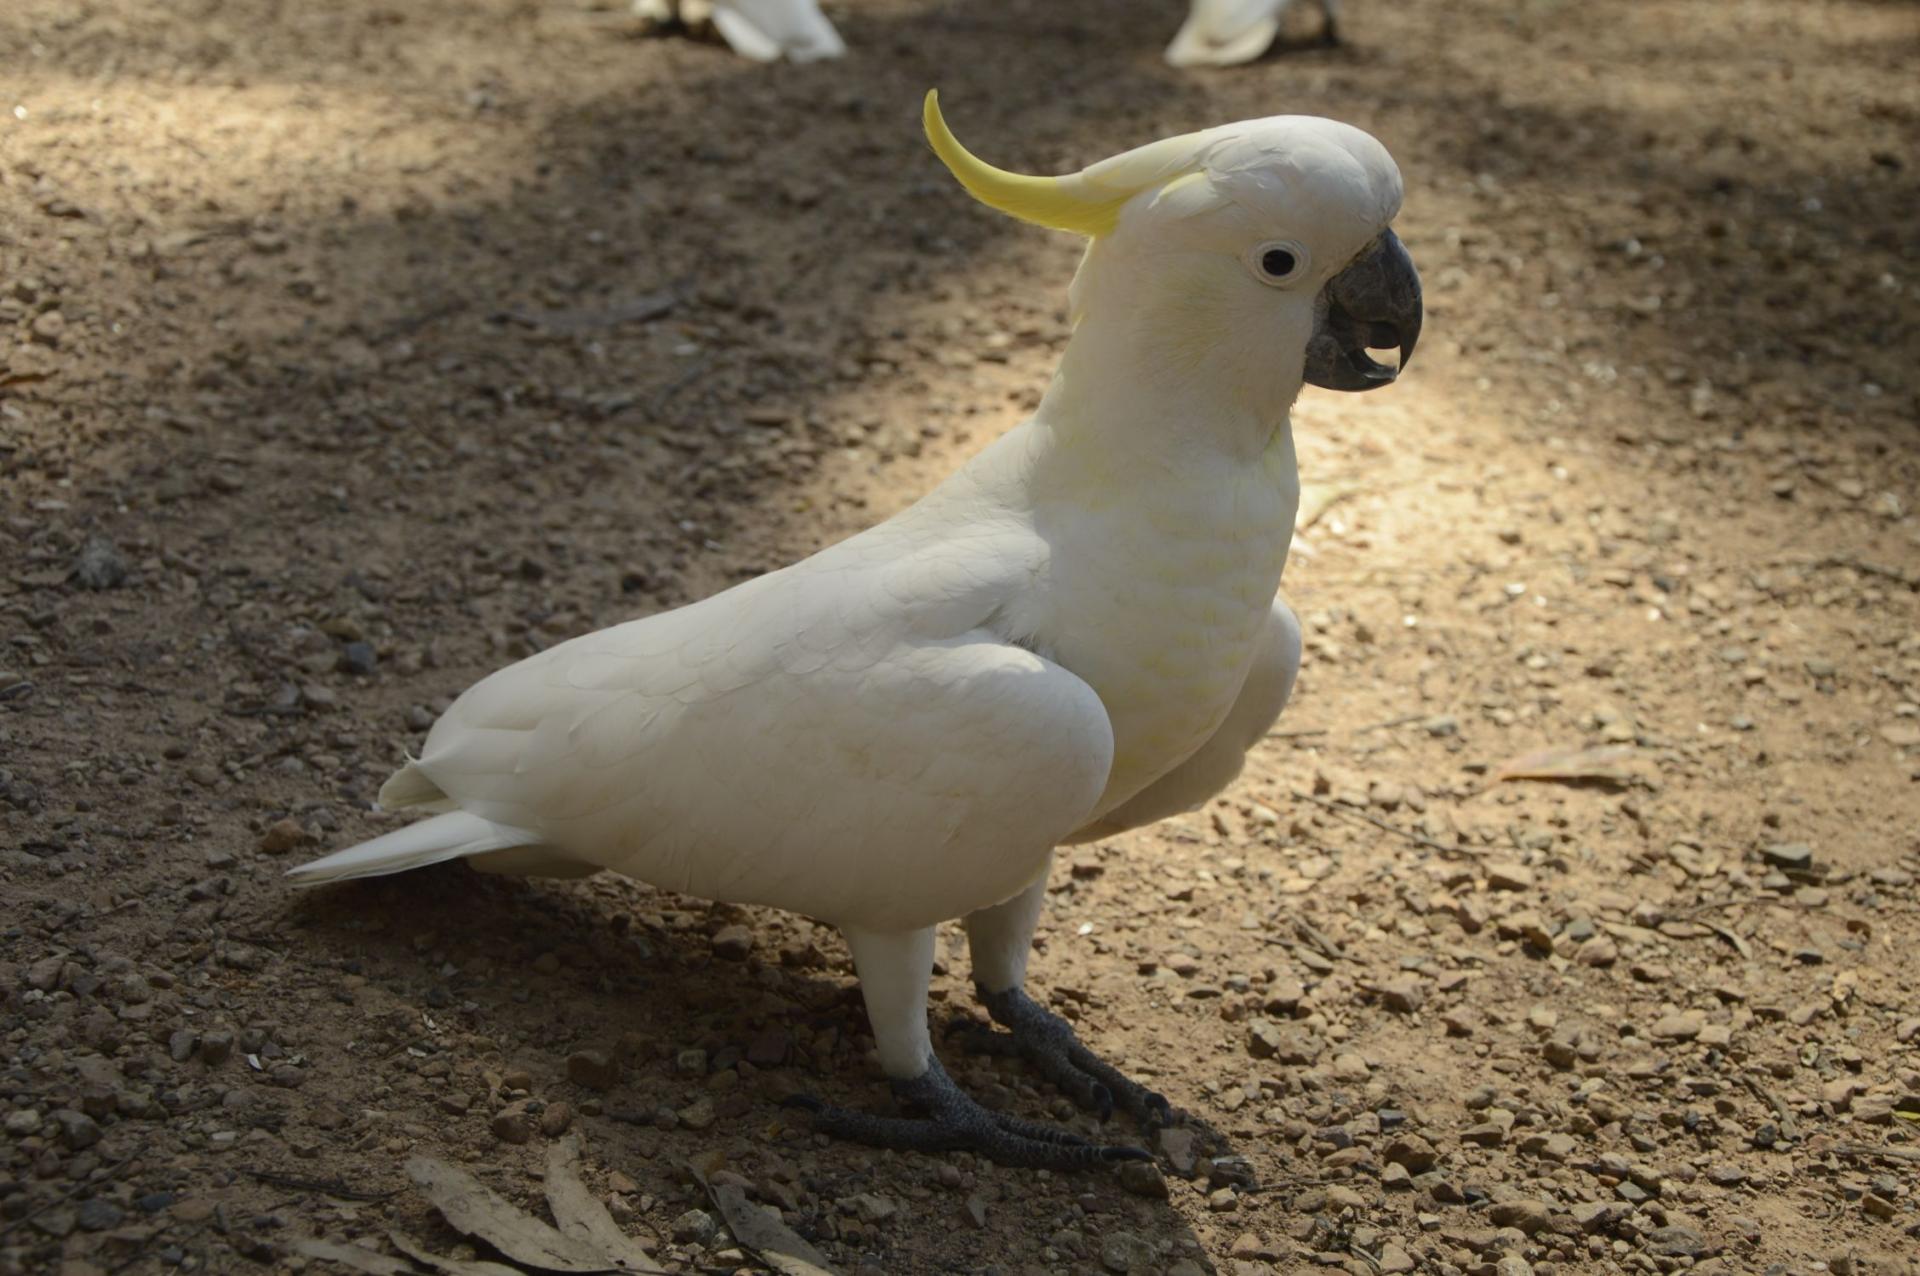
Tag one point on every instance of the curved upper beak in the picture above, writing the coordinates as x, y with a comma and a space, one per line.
1374, 304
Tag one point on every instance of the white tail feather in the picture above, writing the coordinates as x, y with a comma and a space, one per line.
409, 786
452, 836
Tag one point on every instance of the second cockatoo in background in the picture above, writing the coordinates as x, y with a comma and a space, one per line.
1216, 32
763, 30
1075, 634
1230, 32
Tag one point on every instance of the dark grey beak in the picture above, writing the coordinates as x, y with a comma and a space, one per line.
1374, 304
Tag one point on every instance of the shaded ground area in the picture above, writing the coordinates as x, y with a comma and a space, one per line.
348, 351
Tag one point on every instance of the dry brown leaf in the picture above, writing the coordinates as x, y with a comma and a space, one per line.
776, 1243
354, 1256
1739, 945
581, 1215
451, 1266
476, 1210
1569, 763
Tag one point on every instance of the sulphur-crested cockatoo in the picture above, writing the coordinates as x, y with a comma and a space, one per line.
1230, 32
1076, 633
763, 30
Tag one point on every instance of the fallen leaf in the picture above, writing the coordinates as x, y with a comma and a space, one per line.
1901, 735
451, 1266
476, 1210
581, 1215
1739, 945
776, 1243
354, 1256
1569, 763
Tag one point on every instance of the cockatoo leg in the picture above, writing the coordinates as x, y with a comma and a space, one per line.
1001, 937
1049, 1042
1330, 30
894, 974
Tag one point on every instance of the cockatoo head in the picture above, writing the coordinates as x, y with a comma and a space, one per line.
1261, 252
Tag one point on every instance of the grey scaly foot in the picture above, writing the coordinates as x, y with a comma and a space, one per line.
1048, 1042
956, 1121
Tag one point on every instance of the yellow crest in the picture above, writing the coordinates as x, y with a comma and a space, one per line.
1061, 203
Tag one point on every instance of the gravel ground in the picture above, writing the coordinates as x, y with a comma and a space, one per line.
1565, 924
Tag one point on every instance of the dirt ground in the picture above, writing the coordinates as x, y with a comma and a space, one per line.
350, 350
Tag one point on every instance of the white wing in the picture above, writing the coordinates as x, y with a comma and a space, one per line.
767, 30
847, 738
1226, 32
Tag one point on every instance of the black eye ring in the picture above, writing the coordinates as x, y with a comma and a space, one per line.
1278, 262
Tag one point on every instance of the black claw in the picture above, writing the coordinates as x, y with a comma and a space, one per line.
1049, 1043
956, 1121
1119, 1152
804, 1102
1038, 1132
1159, 1111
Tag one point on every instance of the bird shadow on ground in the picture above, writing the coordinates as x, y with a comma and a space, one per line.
705, 1048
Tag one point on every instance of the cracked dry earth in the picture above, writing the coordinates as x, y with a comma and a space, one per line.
1565, 925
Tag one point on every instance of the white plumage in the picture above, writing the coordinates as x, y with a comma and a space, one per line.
1230, 32
762, 30
1074, 634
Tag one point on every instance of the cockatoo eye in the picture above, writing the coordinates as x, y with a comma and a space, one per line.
1279, 262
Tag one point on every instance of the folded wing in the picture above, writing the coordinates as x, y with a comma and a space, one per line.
807, 740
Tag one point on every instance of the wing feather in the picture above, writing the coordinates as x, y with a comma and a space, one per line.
811, 740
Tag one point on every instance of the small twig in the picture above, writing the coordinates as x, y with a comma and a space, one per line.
1789, 1128
1314, 939
1691, 918
1732, 937
1365, 1257
1401, 721
332, 1187
1298, 733
1867, 1150
1416, 838
86, 1183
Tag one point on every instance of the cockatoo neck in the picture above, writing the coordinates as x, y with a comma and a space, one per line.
1157, 368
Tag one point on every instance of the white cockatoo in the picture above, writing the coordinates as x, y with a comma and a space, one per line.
763, 30
1230, 32
1077, 633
